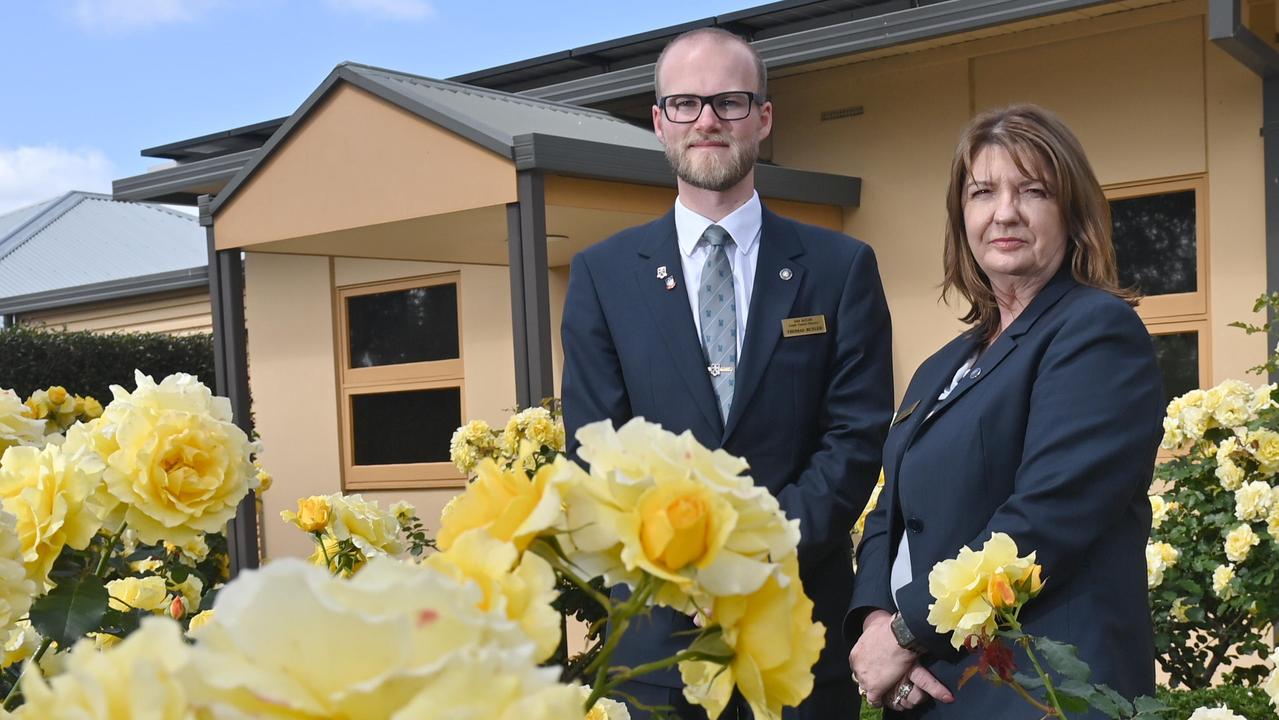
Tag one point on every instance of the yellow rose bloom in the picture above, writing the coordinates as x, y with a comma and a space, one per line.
1173, 437
534, 425
313, 514
1271, 687
373, 530
19, 643
147, 593
775, 643
397, 640
191, 590
1229, 474
16, 589
199, 620
1178, 610
92, 408
505, 502
471, 443
1221, 578
52, 496
141, 676
1159, 557
57, 395
604, 709
264, 478
1240, 542
1160, 508
960, 586
1272, 519
521, 587
1264, 446
1253, 500
19, 424
175, 461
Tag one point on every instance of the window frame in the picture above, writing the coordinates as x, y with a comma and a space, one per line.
1191, 305
425, 375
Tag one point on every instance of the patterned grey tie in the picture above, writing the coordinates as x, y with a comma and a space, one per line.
717, 305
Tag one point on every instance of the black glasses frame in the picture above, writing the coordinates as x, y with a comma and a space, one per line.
755, 99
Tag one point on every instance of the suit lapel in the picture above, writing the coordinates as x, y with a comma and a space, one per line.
672, 315
771, 300
1007, 342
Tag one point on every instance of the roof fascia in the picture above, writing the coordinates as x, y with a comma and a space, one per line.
926, 22
109, 290
604, 161
169, 149
159, 184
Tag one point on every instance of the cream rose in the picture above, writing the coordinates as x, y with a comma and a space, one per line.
17, 426
131, 593
1222, 576
1253, 500
16, 589
1240, 542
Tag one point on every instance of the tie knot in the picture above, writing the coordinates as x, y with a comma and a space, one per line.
717, 236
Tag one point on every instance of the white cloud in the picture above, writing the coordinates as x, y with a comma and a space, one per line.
31, 174
391, 9
113, 15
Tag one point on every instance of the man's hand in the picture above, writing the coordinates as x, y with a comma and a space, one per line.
880, 666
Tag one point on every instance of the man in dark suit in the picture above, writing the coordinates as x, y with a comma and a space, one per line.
761, 335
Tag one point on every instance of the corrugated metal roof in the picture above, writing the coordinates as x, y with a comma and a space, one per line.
84, 238
14, 219
503, 115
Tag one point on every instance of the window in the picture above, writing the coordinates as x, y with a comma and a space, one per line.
1160, 247
402, 389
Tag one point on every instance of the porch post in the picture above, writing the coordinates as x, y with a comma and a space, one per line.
530, 290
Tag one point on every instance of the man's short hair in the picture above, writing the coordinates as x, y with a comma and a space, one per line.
718, 34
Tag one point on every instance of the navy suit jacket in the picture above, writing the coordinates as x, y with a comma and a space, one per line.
809, 413
1050, 438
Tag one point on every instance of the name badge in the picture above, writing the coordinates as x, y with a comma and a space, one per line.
810, 325
904, 413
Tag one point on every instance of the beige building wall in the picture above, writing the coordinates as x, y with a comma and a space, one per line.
1148, 95
289, 312
180, 313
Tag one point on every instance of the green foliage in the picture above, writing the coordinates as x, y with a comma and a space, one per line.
31, 359
1269, 303
70, 610
1249, 702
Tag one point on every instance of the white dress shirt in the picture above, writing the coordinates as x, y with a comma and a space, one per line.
745, 225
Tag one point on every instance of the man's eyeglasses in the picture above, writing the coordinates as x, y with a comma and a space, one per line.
727, 106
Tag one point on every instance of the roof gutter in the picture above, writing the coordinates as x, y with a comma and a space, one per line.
187, 279
855, 36
1227, 31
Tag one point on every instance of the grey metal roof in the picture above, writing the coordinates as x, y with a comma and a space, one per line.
85, 238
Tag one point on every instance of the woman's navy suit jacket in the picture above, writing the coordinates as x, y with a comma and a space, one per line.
1051, 438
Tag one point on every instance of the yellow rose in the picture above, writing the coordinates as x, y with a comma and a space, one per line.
1272, 519
19, 643
680, 522
1239, 543
52, 496
1221, 579
175, 461
522, 588
264, 478
146, 565
364, 523
326, 552
92, 408
1229, 474
505, 502
604, 708
312, 515
57, 395
195, 549
290, 641
534, 425
775, 643
1271, 687
142, 676
147, 593
16, 589
19, 424
403, 511
960, 587
1160, 509
471, 443
1159, 557
199, 620
1178, 610
1253, 500
191, 590
1264, 446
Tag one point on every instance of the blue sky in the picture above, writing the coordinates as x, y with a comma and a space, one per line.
89, 83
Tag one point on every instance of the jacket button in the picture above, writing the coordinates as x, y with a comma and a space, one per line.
915, 525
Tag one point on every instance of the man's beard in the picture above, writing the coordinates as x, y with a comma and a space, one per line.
710, 171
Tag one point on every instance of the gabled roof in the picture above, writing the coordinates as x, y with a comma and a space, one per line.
87, 239
538, 134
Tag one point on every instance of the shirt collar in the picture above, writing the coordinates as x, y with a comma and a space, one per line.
743, 224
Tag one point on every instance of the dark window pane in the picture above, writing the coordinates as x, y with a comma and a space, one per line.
414, 426
1178, 355
1155, 242
403, 326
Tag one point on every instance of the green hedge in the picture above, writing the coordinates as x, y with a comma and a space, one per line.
88, 364
1250, 703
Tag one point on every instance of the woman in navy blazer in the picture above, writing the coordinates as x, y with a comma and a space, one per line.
1041, 421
